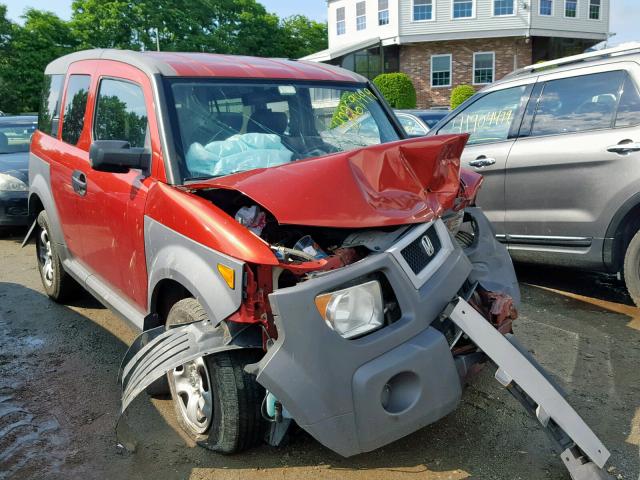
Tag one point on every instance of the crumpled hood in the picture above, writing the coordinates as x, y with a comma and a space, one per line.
408, 181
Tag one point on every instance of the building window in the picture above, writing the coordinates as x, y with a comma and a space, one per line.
462, 8
503, 7
594, 9
383, 12
570, 8
361, 15
340, 23
441, 70
422, 10
483, 67
546, 7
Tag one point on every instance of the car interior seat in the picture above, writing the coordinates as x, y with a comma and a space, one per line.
266, 121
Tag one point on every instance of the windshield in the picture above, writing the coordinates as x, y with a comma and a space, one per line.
16, 137
229, 127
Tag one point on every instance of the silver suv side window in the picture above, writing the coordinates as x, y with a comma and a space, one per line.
578, 104
121, 113
488, 119
629, 107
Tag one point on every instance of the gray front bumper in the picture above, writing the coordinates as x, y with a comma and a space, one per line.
333, 387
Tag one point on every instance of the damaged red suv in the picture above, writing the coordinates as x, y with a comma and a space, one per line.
286, 253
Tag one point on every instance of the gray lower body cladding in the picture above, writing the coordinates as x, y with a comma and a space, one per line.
333, 387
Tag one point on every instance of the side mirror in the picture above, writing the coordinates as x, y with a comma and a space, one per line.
117, 156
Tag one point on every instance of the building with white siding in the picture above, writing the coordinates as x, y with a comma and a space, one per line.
444, 43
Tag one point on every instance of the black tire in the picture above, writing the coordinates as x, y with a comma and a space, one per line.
235, 423
57, 283
632, 268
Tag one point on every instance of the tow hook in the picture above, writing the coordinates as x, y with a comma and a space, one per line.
581, 451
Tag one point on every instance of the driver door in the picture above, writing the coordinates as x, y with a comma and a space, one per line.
492, 122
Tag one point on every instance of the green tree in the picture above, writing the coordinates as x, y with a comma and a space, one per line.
31, 47
397, 89
218, 26
460, 94
302, 36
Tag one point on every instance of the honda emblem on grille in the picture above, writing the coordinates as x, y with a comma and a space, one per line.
428, 246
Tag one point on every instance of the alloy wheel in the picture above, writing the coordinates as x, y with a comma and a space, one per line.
45, 257
193, 391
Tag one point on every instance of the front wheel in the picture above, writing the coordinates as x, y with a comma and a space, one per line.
632, 268
216, 402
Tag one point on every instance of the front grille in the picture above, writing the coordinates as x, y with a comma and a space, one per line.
419, 253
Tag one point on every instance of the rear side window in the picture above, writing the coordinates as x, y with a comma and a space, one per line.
75, 105
490, 118
50, 104
629, 107
121, 113
578, 104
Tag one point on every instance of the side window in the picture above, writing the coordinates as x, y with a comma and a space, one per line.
629, 106
489, 118
411, 125
74, 108
50, 104
577, 104
121, 113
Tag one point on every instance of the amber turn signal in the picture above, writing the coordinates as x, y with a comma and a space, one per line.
228, 274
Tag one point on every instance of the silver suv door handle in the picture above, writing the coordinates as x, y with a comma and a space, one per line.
624, 148
482, 162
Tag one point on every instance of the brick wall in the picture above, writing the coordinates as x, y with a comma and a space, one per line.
415, 60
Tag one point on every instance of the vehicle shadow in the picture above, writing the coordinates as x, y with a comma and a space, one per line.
597, 286
71, 377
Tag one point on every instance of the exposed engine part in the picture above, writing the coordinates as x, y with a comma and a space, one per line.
283, 253
253, 218
375, 240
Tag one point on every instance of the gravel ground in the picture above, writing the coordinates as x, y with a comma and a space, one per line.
59, 399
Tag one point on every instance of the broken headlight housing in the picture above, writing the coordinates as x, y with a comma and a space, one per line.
453, 221
353, 311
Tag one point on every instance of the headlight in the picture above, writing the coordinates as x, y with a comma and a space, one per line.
9, 183
353, 311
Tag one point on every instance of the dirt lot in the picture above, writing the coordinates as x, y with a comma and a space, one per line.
59, 399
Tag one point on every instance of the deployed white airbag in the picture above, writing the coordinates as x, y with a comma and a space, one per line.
237, 153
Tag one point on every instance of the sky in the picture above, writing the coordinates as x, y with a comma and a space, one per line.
625, 14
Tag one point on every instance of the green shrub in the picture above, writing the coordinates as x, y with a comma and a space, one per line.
397, 89
460, 94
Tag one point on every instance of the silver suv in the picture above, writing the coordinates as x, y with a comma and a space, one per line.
559, 146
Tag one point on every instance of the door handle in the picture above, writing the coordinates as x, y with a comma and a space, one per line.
624, 147
79, 182
482, 161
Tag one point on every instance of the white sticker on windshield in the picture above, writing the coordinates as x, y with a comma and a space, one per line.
287, 89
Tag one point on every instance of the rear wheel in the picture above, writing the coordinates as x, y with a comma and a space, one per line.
216, 402
632, 268
57, 283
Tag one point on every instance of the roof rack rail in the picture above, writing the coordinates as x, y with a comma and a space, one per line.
596, 54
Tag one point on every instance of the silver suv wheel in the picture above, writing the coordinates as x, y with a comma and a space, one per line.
192, 384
